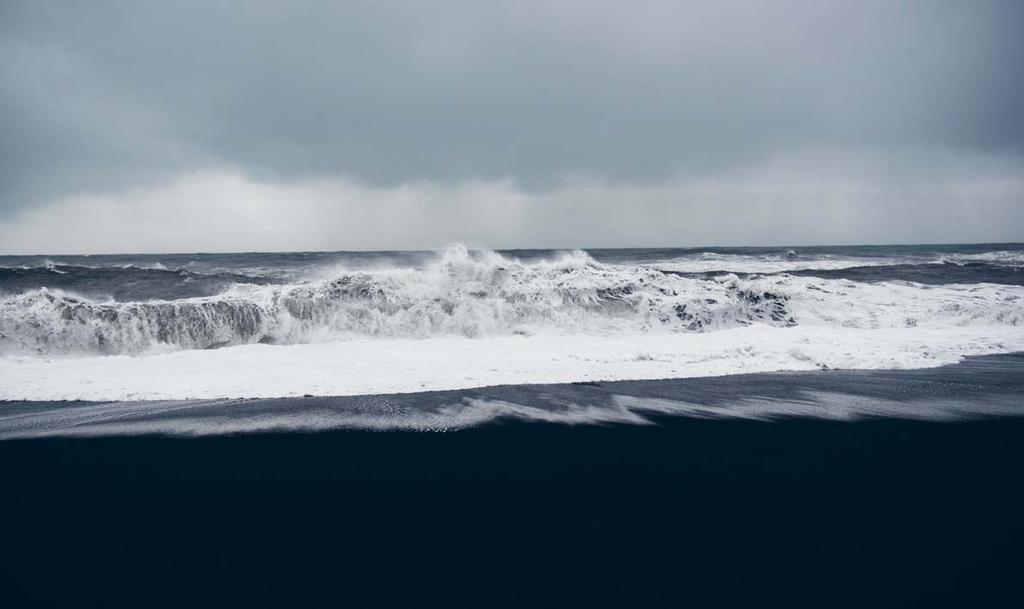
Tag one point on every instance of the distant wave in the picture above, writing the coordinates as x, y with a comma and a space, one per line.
127, 282
713, 262
485, 294
61, 268
938, 273
1001, 257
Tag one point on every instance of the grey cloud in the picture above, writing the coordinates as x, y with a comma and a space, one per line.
108, 96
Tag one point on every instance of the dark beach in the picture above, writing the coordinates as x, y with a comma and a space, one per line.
520, 304
865, 511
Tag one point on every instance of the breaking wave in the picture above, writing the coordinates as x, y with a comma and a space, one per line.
481, 294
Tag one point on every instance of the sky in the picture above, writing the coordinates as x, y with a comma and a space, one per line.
246, 126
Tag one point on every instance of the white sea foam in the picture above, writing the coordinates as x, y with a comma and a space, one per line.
480, 319
1013, 258
708, 262
459, 295
373, 366
482, 296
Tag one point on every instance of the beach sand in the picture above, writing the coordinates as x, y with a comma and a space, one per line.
836, 510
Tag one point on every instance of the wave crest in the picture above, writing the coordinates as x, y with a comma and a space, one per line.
477, 294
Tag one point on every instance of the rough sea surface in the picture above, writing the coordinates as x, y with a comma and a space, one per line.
292, 324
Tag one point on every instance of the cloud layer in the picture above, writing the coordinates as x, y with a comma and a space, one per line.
802, 200
538, 115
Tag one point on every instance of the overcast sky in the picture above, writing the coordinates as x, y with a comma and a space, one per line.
224, 126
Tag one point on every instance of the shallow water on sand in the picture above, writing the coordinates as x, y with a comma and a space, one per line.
845, 489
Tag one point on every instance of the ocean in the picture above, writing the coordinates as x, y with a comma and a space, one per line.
132, 327
826, 426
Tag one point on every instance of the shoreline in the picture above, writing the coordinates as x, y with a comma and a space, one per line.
378, 367
724, 512
976, 387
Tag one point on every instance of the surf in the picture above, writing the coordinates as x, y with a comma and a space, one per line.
485, 294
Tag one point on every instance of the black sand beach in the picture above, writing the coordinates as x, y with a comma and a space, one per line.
877, 511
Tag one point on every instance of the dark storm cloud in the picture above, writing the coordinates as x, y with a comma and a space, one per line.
102, 96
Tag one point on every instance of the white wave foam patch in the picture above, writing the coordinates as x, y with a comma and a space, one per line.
376, 366
1002, 257
780, 263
